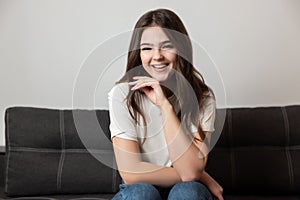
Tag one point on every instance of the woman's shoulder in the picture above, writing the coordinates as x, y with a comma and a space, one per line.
209, 98
120, 90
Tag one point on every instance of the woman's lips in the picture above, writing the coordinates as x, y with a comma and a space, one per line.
159, 68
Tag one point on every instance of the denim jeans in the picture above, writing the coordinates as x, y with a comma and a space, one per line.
184, 190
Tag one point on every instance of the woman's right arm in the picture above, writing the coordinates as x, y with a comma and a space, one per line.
212, 185
132, 169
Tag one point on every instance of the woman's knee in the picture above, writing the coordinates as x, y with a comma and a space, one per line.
190, 190
138, 191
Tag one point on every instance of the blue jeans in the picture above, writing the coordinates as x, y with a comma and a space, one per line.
184, 190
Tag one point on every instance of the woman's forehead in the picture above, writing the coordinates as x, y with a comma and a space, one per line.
154, 35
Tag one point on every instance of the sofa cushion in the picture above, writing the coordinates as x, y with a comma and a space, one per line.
258, 151
52, 151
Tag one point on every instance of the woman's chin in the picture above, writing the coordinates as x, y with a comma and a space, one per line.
161, 77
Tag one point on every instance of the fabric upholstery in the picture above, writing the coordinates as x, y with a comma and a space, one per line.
256, 157
46, 156
258, 151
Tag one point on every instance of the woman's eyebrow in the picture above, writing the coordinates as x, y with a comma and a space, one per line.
164, 42
150, 44
146, 44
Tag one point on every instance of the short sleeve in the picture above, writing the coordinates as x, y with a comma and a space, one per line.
207, 115
121, 123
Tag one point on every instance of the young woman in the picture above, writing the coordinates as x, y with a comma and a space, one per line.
162, 115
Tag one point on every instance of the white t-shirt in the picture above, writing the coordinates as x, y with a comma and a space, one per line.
154, 147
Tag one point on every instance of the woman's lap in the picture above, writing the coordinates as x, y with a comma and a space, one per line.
183, 190
190, 190
137, 191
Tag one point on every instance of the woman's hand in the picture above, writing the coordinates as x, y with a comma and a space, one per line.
151, 88
216, 190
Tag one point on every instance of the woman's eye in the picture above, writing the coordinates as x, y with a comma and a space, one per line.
169, 46
146, 48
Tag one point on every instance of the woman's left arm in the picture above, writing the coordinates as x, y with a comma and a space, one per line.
185, 154
188, 157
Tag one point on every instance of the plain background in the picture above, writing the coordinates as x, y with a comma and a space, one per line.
255, 45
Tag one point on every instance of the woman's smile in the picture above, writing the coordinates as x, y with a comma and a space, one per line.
159, 67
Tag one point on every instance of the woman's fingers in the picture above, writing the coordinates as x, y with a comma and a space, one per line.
141, 77
220, 197
142, 82
142, 85
132, 83
151, 87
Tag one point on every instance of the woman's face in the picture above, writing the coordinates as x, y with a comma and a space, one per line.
157, 53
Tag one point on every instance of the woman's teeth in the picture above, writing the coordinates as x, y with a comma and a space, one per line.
159, 66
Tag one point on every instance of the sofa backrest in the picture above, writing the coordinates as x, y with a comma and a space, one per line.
258, 151
50, 151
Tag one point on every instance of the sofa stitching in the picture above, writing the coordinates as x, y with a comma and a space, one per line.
88, 151
62, 157
33, 198
114, 177
232, 160
47, 150
286, 126
287, 149
60, 168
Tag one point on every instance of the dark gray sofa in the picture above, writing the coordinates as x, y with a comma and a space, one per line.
47, 155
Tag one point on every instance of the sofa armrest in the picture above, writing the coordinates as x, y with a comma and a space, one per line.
2, 167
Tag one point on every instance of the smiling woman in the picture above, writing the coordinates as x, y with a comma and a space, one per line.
158, 54
162, 115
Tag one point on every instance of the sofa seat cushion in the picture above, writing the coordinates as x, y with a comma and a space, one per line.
3, 196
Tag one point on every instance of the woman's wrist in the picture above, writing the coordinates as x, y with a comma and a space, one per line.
166, 106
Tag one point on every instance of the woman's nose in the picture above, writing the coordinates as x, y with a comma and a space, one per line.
157, 54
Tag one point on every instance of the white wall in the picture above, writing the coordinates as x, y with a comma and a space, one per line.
43, 44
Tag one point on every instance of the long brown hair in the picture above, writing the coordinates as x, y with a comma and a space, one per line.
187, 81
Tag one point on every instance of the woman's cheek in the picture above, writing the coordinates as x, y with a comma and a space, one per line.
145, 57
